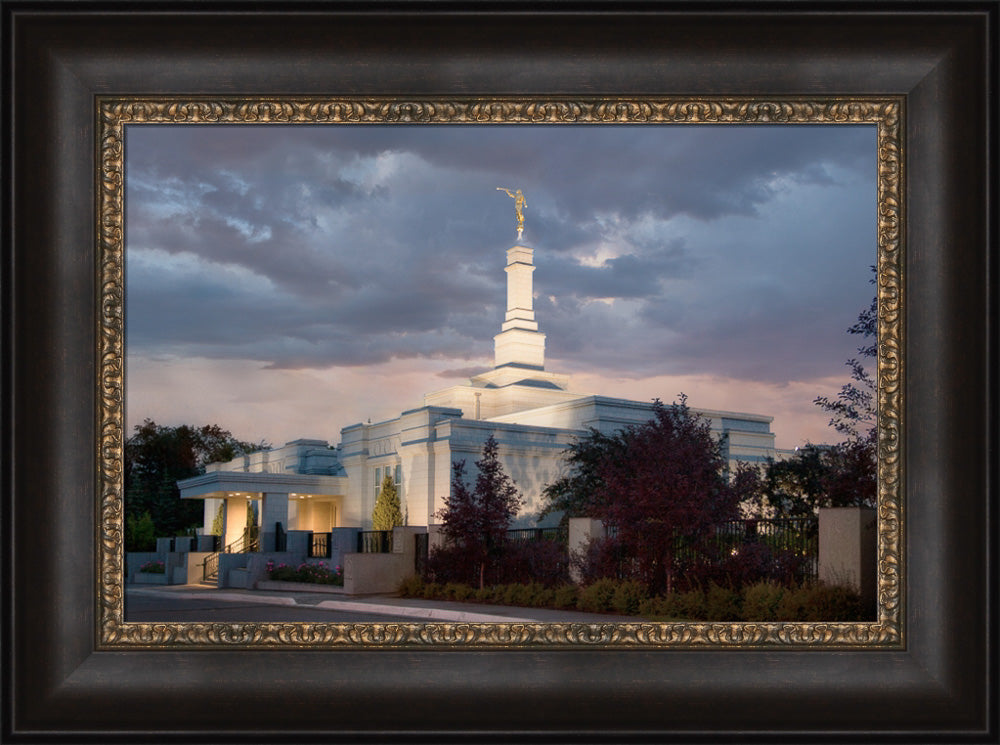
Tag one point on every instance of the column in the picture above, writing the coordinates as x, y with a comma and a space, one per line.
273, 509
234, 520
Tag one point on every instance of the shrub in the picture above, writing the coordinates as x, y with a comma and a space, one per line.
153, 567
820, 602
411, 587
628, 597
542, 597
687, 605
832, 603
791, 607
747, 564
452, 563
318, 573
761, 600
516, 595
432, 590
722, 604
565, 596
483, 595
596, 598
658, 607
450, 589
540, 560
600, 559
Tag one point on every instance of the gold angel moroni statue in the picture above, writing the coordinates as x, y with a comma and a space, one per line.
519, 205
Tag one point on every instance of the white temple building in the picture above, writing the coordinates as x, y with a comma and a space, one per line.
534, 415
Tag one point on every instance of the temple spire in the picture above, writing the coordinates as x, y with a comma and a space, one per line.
519, 342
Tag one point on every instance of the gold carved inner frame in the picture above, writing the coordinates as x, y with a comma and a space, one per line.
885, 113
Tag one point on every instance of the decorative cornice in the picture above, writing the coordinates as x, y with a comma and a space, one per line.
885, 113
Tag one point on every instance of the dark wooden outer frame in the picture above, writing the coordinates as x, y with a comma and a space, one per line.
58, 58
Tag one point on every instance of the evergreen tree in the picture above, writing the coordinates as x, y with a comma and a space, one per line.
388, 512
218, 519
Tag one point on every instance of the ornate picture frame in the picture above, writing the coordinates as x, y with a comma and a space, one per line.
73, 670
886, 114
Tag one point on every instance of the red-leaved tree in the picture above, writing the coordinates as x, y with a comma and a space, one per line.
475, 521
665, 490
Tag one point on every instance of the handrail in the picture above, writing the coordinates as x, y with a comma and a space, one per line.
249, 542
210, 566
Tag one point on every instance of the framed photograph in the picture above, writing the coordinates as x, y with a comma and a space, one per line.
655, 274
110, 197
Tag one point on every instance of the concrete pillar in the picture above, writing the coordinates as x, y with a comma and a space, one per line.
298, 542
342, 541
847, 549
209, 510
403, 541
273, 509
436, 538
234, 520
206, 543
581, 531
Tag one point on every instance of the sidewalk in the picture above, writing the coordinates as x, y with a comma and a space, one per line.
416, 608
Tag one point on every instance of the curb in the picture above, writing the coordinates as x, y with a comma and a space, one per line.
236, 597
434, 614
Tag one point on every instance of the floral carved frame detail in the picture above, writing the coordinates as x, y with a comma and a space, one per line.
114, 114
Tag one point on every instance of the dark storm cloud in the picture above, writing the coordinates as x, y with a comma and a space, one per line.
315, 246
631, 275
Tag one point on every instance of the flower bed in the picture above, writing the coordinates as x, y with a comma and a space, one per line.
153, 567
318, 573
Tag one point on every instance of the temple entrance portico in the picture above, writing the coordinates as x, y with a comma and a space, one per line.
296, 502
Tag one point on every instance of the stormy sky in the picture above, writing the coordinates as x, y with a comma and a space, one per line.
285, 282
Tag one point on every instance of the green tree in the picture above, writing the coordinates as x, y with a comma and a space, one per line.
580, 492
852, 412
157, 456
840, 475
852, 480
795, 486
388, 512
140, 533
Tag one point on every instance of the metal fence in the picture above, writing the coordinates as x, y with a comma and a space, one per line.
538, 534
792, 539
799, 534
375, 542
796, 537
422, 544
319, 546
